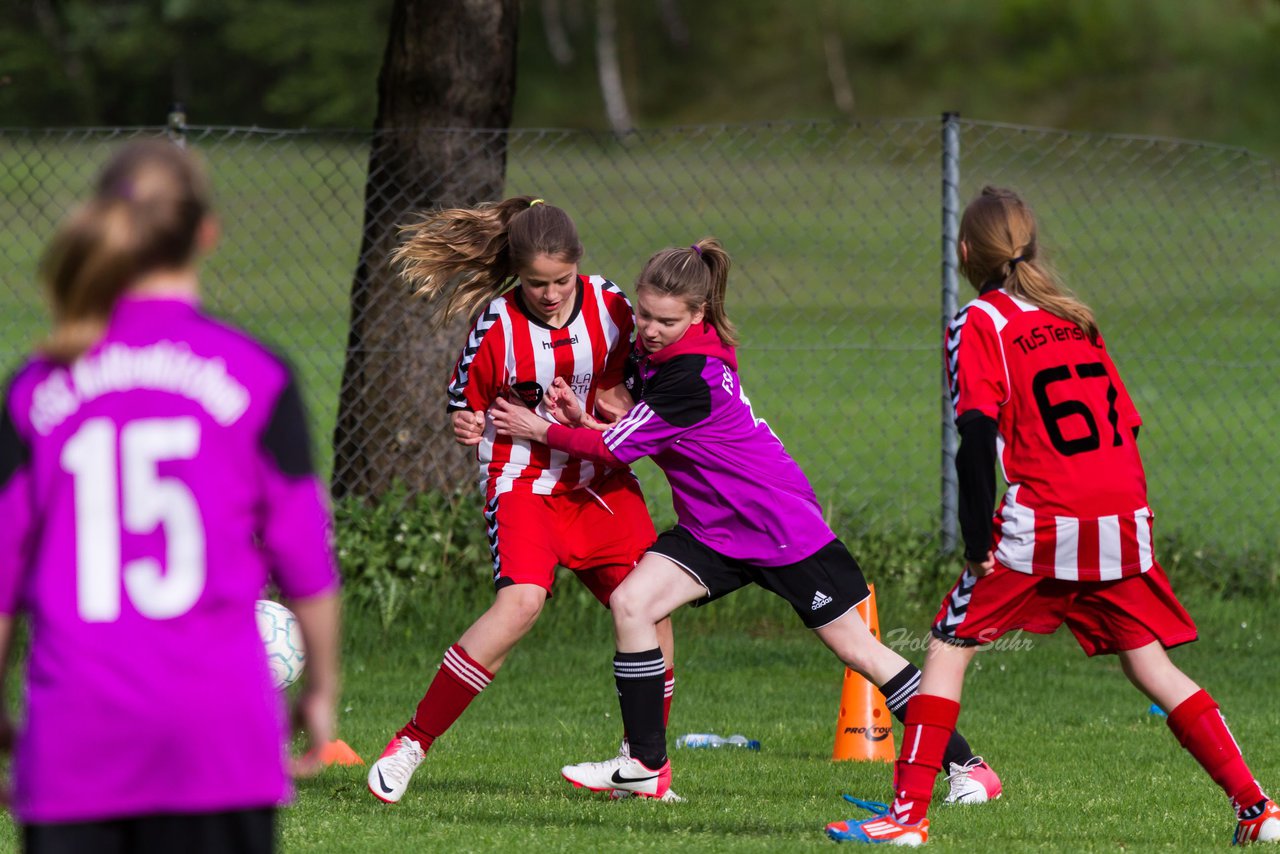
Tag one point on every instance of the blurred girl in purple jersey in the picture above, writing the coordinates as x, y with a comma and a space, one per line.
155, 472
746, 514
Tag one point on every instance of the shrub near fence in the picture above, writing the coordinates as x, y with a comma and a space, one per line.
836, 233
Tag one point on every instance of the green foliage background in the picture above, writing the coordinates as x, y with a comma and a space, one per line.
1203, 69
401, 552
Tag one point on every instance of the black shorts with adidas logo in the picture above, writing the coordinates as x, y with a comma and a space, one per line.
821, 588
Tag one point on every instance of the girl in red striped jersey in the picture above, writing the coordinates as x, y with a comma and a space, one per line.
1034, 389
513, 265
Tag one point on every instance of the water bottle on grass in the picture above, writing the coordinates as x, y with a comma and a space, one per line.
710, 739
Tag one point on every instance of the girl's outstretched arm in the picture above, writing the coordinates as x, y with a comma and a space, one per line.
519, 421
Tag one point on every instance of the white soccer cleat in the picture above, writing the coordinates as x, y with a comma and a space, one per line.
670, 797
972, 783
622, 774
390, 775
624, 749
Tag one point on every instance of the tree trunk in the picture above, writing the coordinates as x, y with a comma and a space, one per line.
557, 38
673, 23
609, 69
838, 71
445, 97
837, 68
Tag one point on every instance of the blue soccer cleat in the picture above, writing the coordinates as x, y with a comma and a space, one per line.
882, 829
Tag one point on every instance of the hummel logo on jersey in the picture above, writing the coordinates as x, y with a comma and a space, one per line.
819, 600
567, 342
619, 780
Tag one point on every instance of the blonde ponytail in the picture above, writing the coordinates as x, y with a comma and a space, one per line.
466, 257
998, 231
699, 275
145, 213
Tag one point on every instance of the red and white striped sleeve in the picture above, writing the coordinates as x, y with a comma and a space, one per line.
977, 376
478, 374
619, 308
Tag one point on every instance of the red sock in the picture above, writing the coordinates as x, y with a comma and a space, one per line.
1198, 725
926, 730
668, 689
455, 685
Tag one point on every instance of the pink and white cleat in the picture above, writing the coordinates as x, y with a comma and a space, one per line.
972, 783
621, 773
390, 775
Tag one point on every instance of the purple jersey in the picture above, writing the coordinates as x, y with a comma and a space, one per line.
149, 490
733, 484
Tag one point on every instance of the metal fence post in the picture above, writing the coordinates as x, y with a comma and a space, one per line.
177, 124
950, 279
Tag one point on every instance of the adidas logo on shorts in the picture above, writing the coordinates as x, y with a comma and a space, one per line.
820, 599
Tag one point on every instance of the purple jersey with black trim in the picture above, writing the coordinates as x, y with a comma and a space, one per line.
149, 490
733, 484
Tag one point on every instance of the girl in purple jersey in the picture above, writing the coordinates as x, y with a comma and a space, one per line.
746, 514
513, 266
155, 472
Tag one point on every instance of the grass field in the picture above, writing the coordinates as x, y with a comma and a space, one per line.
1085, 766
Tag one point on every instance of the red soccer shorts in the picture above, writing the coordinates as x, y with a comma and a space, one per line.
1105, 616
599, 532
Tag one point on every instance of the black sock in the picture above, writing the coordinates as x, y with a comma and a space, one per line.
901, 688
958, 752
640, 677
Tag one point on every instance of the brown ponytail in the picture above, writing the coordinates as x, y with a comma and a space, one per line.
468, 256
144, 216
998, 230
699, 275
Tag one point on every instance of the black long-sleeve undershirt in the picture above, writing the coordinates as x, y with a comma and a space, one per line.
976, 473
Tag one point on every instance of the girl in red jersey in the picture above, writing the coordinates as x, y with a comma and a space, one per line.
1034, 389
542, 507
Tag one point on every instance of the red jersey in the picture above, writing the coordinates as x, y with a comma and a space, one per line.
511, 353
1076, 507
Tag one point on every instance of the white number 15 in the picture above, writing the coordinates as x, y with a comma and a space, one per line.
150, 501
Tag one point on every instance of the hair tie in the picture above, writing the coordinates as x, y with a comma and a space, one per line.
696, 248
537, 202
1013, 262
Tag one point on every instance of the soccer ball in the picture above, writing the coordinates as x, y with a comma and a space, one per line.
278, 628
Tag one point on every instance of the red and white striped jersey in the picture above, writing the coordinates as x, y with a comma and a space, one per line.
509, 352
1076, 507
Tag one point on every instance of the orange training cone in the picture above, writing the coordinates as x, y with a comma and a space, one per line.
338, 752
864, 730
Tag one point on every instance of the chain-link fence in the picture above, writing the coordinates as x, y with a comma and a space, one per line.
836, 230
